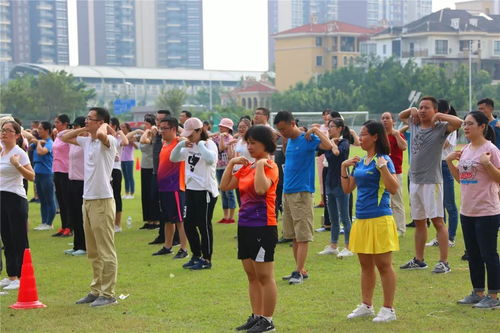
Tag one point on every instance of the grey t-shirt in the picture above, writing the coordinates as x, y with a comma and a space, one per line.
426, 146
147, 155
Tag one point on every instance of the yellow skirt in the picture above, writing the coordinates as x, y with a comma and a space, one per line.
374, 236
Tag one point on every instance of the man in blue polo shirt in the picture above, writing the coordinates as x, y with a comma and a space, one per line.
487, 107
298, 187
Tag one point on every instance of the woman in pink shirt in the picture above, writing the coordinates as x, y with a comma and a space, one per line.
127, 163
60, 167
478, 173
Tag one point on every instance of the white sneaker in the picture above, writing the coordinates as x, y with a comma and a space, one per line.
12, 285
451, 243
125, 196
345, 253
362, 310
131, 196
118, 229
385, 315
5, 282
39, 227
329, 250
69, 251
433, 242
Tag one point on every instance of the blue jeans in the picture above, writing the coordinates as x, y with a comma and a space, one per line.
338, 204
228, 199
449, 201
45, 188
128, 176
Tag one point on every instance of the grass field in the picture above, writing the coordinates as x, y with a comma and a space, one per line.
166, 298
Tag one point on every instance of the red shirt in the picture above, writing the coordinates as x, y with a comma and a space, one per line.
396, 154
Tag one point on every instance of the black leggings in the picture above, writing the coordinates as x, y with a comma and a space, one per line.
61, 182
198, 222
14, 230
116, 184
75, 212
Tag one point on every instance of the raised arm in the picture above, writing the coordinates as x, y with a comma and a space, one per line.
405, 115
208, 155
491, 169
348, 181
325, 143
454, 123
146, 137
70, 136
454, 156
228, 181
102, 134
123, 138
261, 182
25, 170
41, 150
390, 181
401, 142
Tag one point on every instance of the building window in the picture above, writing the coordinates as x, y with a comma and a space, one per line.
249, 103
244, 102
412, 49
351, 60
441, 46
319, 61
496, 47
319, 41
335, 62
347, 44
384, 49
255, 103
334, 44
464, 45
345, 61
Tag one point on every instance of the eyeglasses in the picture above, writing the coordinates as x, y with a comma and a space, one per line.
333, 126
7, 130
165, 128
88, 118
468, 124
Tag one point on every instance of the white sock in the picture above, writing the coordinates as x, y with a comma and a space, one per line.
269, 319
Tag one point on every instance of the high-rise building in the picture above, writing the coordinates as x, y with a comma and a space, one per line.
476, 7
106, 32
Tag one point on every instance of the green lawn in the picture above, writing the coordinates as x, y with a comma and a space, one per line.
166, 298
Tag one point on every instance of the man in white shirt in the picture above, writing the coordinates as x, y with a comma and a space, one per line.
98, 204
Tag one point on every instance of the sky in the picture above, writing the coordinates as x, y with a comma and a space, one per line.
235, 33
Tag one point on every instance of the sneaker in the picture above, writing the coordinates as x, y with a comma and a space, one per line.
471, 299
67, 233
487, 302
320, 205
5, 282
451, 243
284, 240
181, 254
163, 251
385, 315
296, 278
441, 268
329, 250
341, 232
288, 277
465, 257
145, 226
103, 301
222, 221
345, 253
230, 221
414, 264
14, 284
262, 325
118, 228
433, 242
157, 240
58, 233
79, 253
362, 310
69, 251
251, 321
201, 264
87, 299
411, 224
193, 261
40, 227
46, 227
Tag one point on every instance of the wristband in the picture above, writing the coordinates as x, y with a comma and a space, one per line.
380, 166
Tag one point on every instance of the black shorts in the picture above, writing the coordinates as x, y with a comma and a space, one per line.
257, 243
171, 206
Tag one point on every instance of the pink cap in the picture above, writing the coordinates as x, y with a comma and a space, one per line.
227, 123
190, 125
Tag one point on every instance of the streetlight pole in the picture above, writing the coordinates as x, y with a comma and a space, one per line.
135, 90
470, 75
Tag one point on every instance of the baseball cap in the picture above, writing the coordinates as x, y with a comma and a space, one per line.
227, 123
190, 125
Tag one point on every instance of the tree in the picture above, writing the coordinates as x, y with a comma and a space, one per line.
45, 96
172, 100
202, 96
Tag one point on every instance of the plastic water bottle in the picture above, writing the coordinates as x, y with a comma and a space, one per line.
129, 222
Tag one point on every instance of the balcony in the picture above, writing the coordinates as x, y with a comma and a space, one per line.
416, 54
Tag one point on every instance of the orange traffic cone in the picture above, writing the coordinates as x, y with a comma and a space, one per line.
137, 164
27, 298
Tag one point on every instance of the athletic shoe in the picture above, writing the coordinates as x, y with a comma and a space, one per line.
67, 233
251, 321
284, 240
465, 257
433, 242
58, 233
320, 205
46, 227
385, 315
42, 226
163, 251
230, 221
69, 251
411, 224
181, 254
345, 253
471, 299
451, 243
487, 302
288, 277
222, 221
262, 325
414, 264
87, 299
341, 232
157, 240
193, 261
145, 226
329, 250
103, 301
296, 278
14, 284
118, 229
322, 229
362, 310
441, 268
5, 282
79, 253
201, 264
35, 200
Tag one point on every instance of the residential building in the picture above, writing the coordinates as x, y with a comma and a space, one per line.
312, 49
251, 95
446, 37
476, 7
